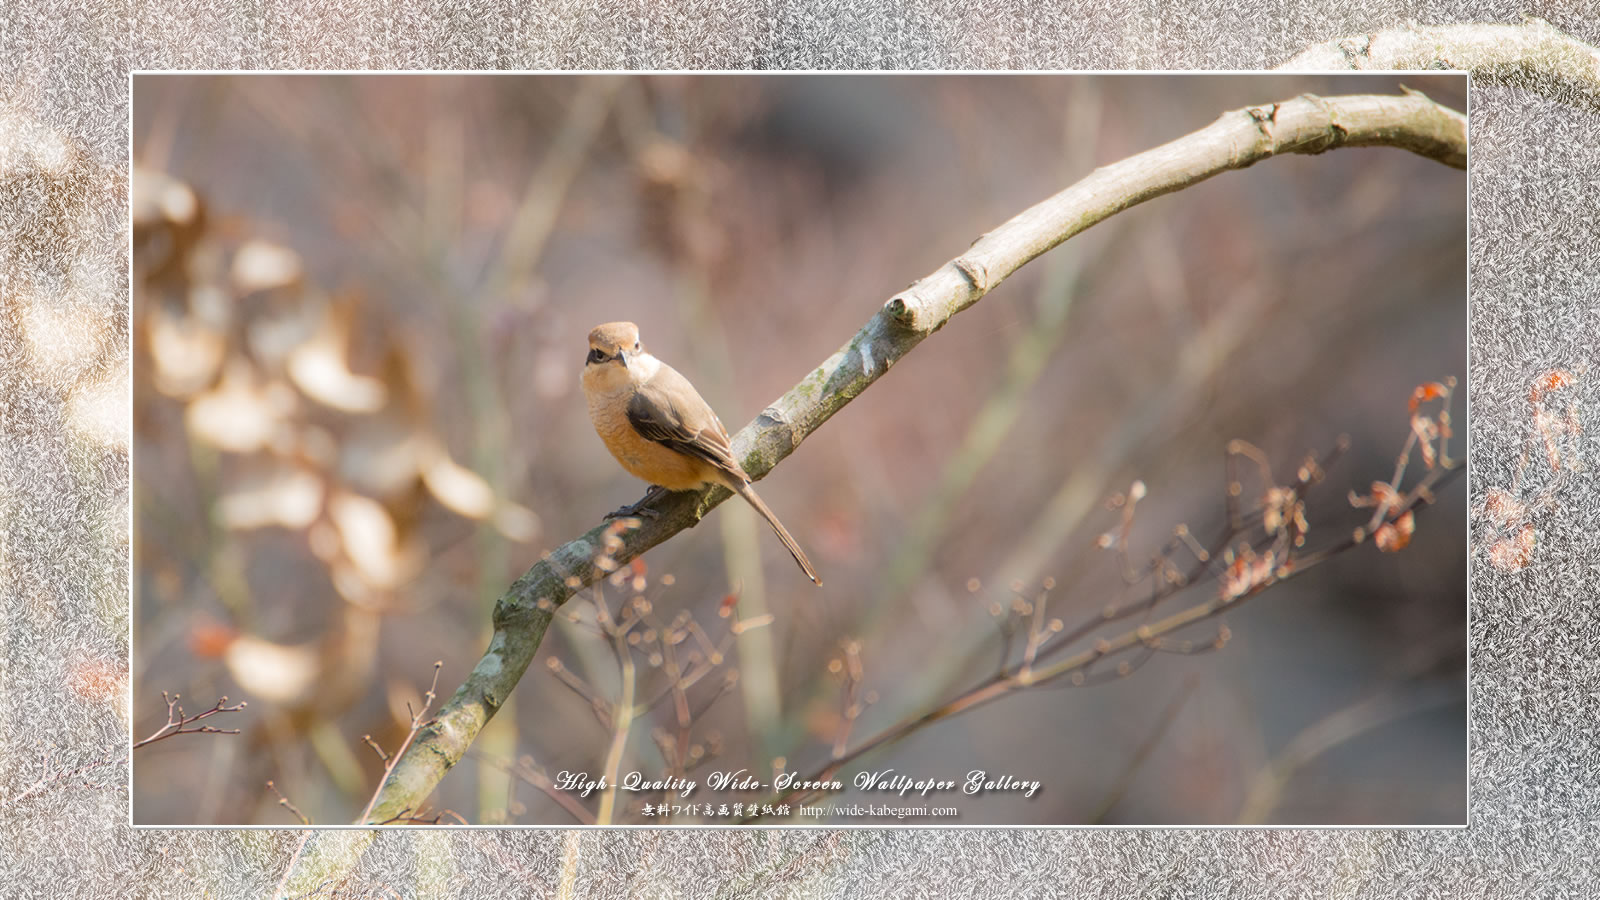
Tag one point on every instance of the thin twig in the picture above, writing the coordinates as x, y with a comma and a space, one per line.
622, 719
393, 760
284, 802
525, 770
1238, 584
404, 818
851, 671
1142, 754
177, 723
1343, 725
52, 779
680, 699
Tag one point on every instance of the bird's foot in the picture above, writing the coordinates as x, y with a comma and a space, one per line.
640, 507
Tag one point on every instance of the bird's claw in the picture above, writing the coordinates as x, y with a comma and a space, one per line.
632, 509
639, 507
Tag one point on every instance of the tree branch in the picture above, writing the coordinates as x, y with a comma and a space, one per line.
1238, 139
1530, 53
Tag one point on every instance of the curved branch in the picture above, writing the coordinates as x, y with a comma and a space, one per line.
1529, 53
1305, 124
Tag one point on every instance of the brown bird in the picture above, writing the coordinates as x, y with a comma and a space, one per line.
659, 428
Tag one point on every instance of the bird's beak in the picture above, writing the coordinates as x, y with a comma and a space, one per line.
623, 357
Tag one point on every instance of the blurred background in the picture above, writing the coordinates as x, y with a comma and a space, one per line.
360, 314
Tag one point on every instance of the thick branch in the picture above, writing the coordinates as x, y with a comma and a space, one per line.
1238, 139
1530, 53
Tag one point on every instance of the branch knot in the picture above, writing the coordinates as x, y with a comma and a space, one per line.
977, 273
902, 307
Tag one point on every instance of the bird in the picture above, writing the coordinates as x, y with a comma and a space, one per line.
660, 429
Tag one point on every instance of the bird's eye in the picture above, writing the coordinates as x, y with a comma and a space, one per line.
596, 356
636, 345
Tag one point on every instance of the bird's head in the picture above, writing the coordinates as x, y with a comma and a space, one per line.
616, 355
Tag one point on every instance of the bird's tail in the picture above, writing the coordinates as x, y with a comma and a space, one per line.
749, 493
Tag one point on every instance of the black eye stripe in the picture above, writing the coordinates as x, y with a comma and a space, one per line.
596, 356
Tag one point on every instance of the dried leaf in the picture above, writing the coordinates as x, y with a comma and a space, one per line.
241, 414
260, 266
285, 496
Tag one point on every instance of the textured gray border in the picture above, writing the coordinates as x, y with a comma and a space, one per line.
63, 555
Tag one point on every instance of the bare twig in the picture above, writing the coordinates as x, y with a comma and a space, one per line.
622, 724
284, 802
1346, 724
393, 760
525, 770
404, 817
1146, 747
1005, 405
848, 668
1236, 140
535, 217
678, 690
177, 723
1267, 559
51, 780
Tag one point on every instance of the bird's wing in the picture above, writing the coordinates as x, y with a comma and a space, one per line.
668, 410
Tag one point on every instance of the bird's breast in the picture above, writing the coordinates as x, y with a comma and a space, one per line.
643, 458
